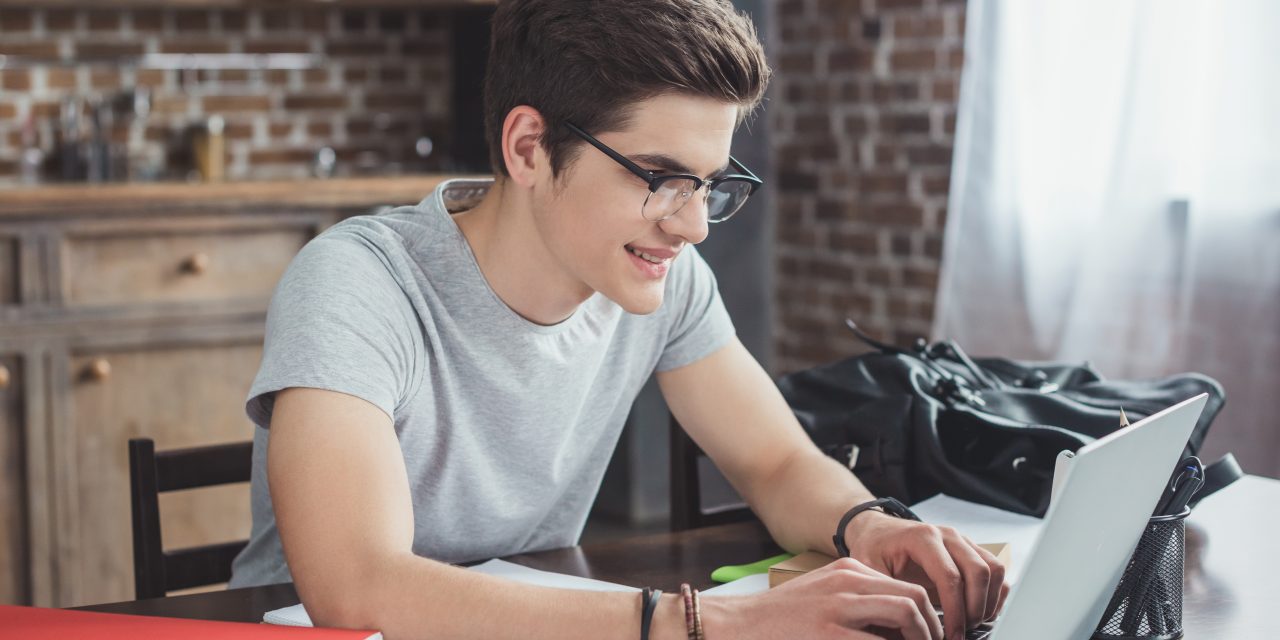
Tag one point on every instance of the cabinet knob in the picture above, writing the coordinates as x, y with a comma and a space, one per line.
196, 264
98, 369
4, 377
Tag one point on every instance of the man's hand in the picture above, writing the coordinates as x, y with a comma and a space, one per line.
845, 599
966, 579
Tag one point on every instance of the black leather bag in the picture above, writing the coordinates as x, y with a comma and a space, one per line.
913, 422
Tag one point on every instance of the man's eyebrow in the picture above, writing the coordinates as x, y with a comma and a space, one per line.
667, 163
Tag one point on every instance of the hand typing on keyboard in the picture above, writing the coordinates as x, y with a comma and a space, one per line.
845, 600
966, 579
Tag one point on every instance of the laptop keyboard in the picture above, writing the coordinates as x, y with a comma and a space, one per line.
980, 632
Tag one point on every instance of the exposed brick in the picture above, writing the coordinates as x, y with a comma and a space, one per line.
191, 20
929, 155
394, 101
148, 20
393, 75
277, 19
277, 46
187, 45
238, 130
797, 181
911, 27
315, 76
850, 60
42, 49
860, 242
219, 104
233, 20
60, 78
59, 20
315, 101
903, 215
16, 20
15, 79
913, 60
355, 20
101, 79
108, 49
316, 21
233, 76
280, 129
281, 156
392, 20
102, 20
906, 123
8, 111
356, 48
319, 129
150, 77
946, 89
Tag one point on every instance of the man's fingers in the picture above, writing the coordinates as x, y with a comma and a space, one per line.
995, 583
886, 585
891, 612
932, 556
976, 572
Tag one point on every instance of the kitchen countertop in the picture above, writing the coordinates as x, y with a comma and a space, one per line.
336, 193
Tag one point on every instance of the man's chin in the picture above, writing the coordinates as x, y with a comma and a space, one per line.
637, 303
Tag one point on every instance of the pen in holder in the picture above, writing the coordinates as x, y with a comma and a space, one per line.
1147, 604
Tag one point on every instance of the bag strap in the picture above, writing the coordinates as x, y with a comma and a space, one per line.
1217, 477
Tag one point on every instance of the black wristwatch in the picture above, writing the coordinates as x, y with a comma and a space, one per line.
888, 505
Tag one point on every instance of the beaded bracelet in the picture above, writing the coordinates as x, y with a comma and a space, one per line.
691, 628
697, 617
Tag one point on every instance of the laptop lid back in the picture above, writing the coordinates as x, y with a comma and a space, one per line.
1093, 525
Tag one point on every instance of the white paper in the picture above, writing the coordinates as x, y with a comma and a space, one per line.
754, 583
296, 616
985, 525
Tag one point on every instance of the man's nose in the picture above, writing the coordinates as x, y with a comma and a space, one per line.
690, 222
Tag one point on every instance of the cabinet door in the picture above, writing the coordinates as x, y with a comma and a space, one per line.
179, 396
14, 549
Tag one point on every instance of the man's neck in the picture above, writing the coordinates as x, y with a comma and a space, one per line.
515, 261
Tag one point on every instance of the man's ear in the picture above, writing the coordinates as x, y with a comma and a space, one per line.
521, 151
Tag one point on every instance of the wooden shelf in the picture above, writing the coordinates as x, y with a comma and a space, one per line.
76, 199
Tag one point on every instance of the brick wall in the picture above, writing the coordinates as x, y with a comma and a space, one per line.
378, 80
863, 119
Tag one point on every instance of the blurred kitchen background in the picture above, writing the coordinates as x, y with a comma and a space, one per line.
161, 161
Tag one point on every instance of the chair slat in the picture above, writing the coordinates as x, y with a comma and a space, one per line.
204, 466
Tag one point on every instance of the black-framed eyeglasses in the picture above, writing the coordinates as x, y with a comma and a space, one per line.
669, 192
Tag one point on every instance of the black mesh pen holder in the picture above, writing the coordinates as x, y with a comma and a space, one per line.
1147, 604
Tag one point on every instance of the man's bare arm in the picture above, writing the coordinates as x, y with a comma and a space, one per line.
342, 504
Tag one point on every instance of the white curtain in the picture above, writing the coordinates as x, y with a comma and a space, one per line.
1116, 197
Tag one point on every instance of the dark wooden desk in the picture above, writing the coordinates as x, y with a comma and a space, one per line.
1231, 589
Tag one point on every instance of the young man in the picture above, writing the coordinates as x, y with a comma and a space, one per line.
442, 385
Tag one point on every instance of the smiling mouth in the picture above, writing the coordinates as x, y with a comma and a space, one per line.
646, 257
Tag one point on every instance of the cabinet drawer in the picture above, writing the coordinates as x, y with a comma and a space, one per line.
180, 265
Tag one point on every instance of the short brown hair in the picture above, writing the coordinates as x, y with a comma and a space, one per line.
589, 61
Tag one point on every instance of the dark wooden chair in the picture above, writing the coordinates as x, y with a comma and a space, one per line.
687, 509
156, 571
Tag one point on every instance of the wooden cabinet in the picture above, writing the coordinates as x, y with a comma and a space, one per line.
134, 317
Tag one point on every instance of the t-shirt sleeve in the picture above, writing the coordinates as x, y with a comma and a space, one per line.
699, 324
338, 321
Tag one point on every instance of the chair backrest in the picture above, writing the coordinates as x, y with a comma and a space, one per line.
687, 510
156, 571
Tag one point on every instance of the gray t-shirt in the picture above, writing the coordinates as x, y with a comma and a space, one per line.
505, 426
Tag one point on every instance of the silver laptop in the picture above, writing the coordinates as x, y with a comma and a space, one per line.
1093, 524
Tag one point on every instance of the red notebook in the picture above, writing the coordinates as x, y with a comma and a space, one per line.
33, 622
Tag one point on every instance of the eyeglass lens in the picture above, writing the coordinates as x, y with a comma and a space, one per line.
671, 196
